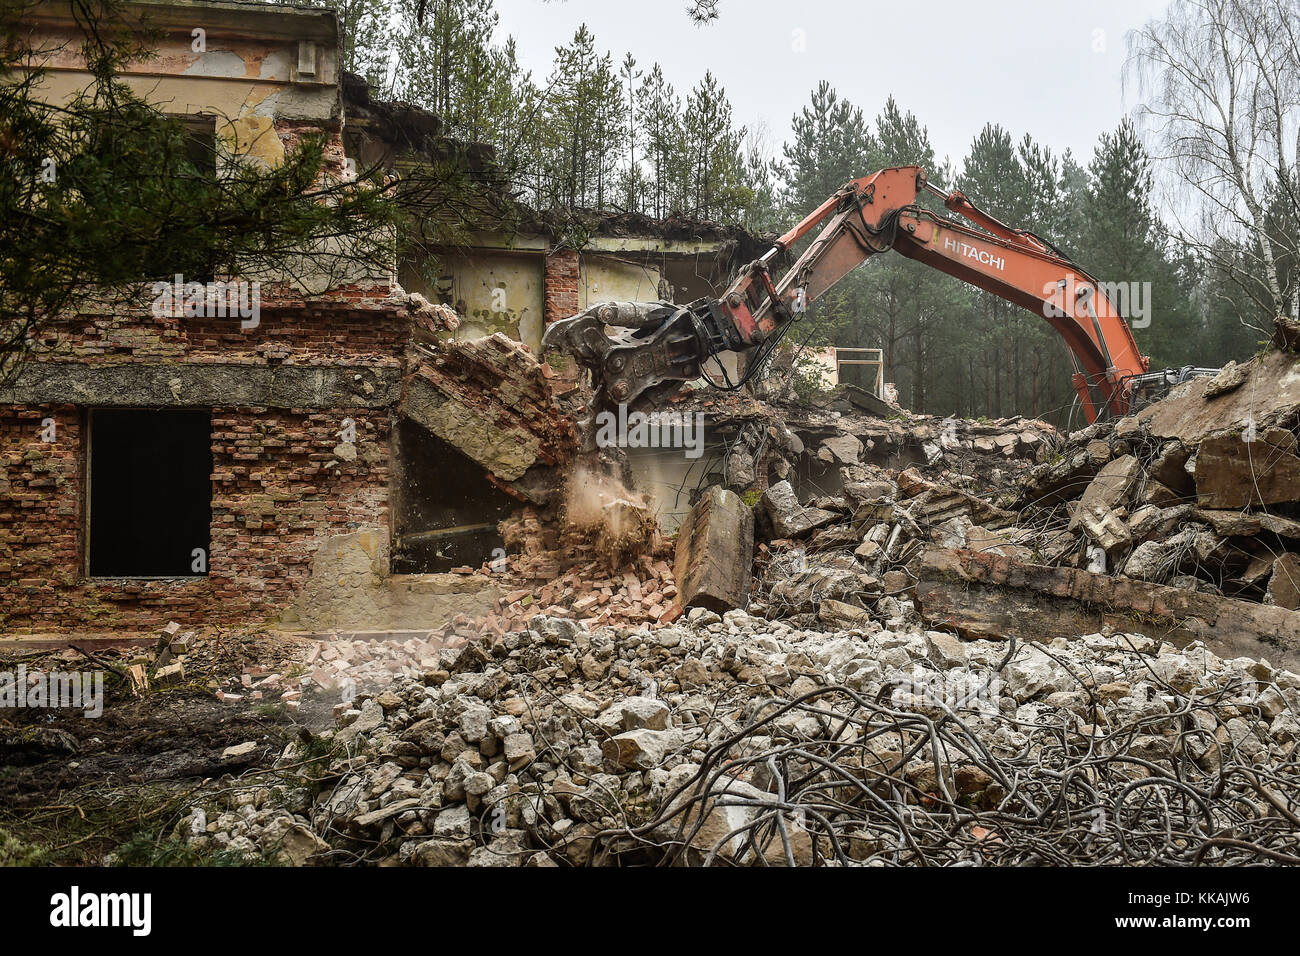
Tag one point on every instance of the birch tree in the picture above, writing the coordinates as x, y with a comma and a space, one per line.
1221, 85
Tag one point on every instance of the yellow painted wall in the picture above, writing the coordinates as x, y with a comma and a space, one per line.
492, 291
605, 279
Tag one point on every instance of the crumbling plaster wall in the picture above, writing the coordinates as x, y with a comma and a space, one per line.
350, 588
265, 75
248, 67
491, 292
608, 279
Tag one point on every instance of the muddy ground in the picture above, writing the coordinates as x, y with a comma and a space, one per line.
77, 790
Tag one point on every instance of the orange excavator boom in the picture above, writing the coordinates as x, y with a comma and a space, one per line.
877, 213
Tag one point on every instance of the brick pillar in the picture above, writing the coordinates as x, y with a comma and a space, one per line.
562, 276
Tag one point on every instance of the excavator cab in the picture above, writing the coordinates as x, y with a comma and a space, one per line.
1151, 387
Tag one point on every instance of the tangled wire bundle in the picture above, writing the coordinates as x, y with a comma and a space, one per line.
834, 777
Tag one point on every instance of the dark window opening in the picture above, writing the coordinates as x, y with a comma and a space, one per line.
200, 133
150, 493
445, 512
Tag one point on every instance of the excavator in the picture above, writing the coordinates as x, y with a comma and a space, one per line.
646, 350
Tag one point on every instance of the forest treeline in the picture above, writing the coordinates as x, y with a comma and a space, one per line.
599, 132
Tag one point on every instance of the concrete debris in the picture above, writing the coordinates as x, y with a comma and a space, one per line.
1284, 582
787, 517
981, 595
1202, 488
490, 399
839, 587
715, 552
1234, 473
669, 756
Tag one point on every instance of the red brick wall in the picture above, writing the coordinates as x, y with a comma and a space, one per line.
312, 335
278, 488
278, 491
562, 277
40, 506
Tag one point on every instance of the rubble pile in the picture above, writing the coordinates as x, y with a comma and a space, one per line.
1201, 491
840, 556
838, 446
574, 571
738, 741
968, 453
1180, 520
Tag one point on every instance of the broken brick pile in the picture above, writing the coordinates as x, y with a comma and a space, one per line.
346, 666
563, 575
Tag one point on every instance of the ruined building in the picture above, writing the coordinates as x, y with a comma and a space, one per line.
286, 468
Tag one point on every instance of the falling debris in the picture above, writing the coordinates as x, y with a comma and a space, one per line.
620, 523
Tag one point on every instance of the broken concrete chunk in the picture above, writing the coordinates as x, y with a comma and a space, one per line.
1270, 396
988, 596
639, 749
843, 616
871, 491
1098, 452
1151, 522
944, 649
1127, 427
868, 551
244, 751
1153, 492
1105, 529
1231, 473
805, 590
638, 713
715, 552
1284, 582
912, 484
1110, 488
840, 449
789, 518
1230, 377
1150, 561
1060, 480
1169, 468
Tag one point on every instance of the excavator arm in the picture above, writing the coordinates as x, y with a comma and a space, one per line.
632, 348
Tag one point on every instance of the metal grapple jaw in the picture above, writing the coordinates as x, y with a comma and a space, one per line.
632, 348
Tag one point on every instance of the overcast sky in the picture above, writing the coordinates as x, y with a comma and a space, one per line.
1051, 68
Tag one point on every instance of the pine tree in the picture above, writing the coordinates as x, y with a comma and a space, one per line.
659, 117
831, 144
1124, 243
633, 186
579, 123
444, 62
994, 179
714, 172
